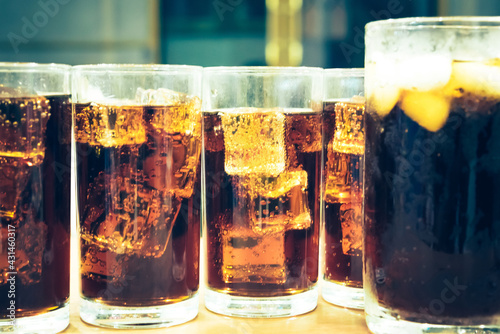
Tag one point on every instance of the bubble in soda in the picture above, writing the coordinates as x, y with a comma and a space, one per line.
110, 125
23, 121
180, 113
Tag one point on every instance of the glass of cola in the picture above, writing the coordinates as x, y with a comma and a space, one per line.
137, 130
342, 199
35, 174
432, 162
262, 169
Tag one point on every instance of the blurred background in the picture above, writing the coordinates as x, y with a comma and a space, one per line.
325, 33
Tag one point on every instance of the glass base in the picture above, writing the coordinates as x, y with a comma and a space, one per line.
342, 295
138, 317
378, 325
259, 307
51, 322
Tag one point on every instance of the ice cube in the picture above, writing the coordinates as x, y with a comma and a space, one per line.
429, 109
160, 97
424, 72
344, 152
110, 125
31, 236
303, 132
358, 99
342, 176
102, 265
381, 87
248, 257
126, 217
173, 163
31, 239
387, 78
14, 175
349, 130
23, 122
351, 222
477, 78
254, 141
12, 92
383, 99
184, 118
173, 124
279, 203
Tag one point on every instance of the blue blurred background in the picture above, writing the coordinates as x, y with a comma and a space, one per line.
326, 33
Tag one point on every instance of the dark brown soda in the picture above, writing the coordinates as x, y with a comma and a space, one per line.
294, 251
343, 200
35, 177
432, 214
341, 268
161, 264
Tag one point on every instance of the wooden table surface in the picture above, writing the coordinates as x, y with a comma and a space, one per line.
326, 318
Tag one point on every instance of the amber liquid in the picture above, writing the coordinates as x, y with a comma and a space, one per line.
262, 218
343, 149
35, 161
138, 172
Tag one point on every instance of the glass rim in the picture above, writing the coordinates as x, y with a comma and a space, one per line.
137, 68
436, 22
344, 72
33, 67
249, 70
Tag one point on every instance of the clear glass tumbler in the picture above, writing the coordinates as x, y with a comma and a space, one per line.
138, 144
35, 173
342, 200
432, 219
262, 168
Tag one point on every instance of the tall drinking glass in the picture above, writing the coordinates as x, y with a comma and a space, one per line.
432, 173
138, 144
342, 200
262, 162
35, 173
